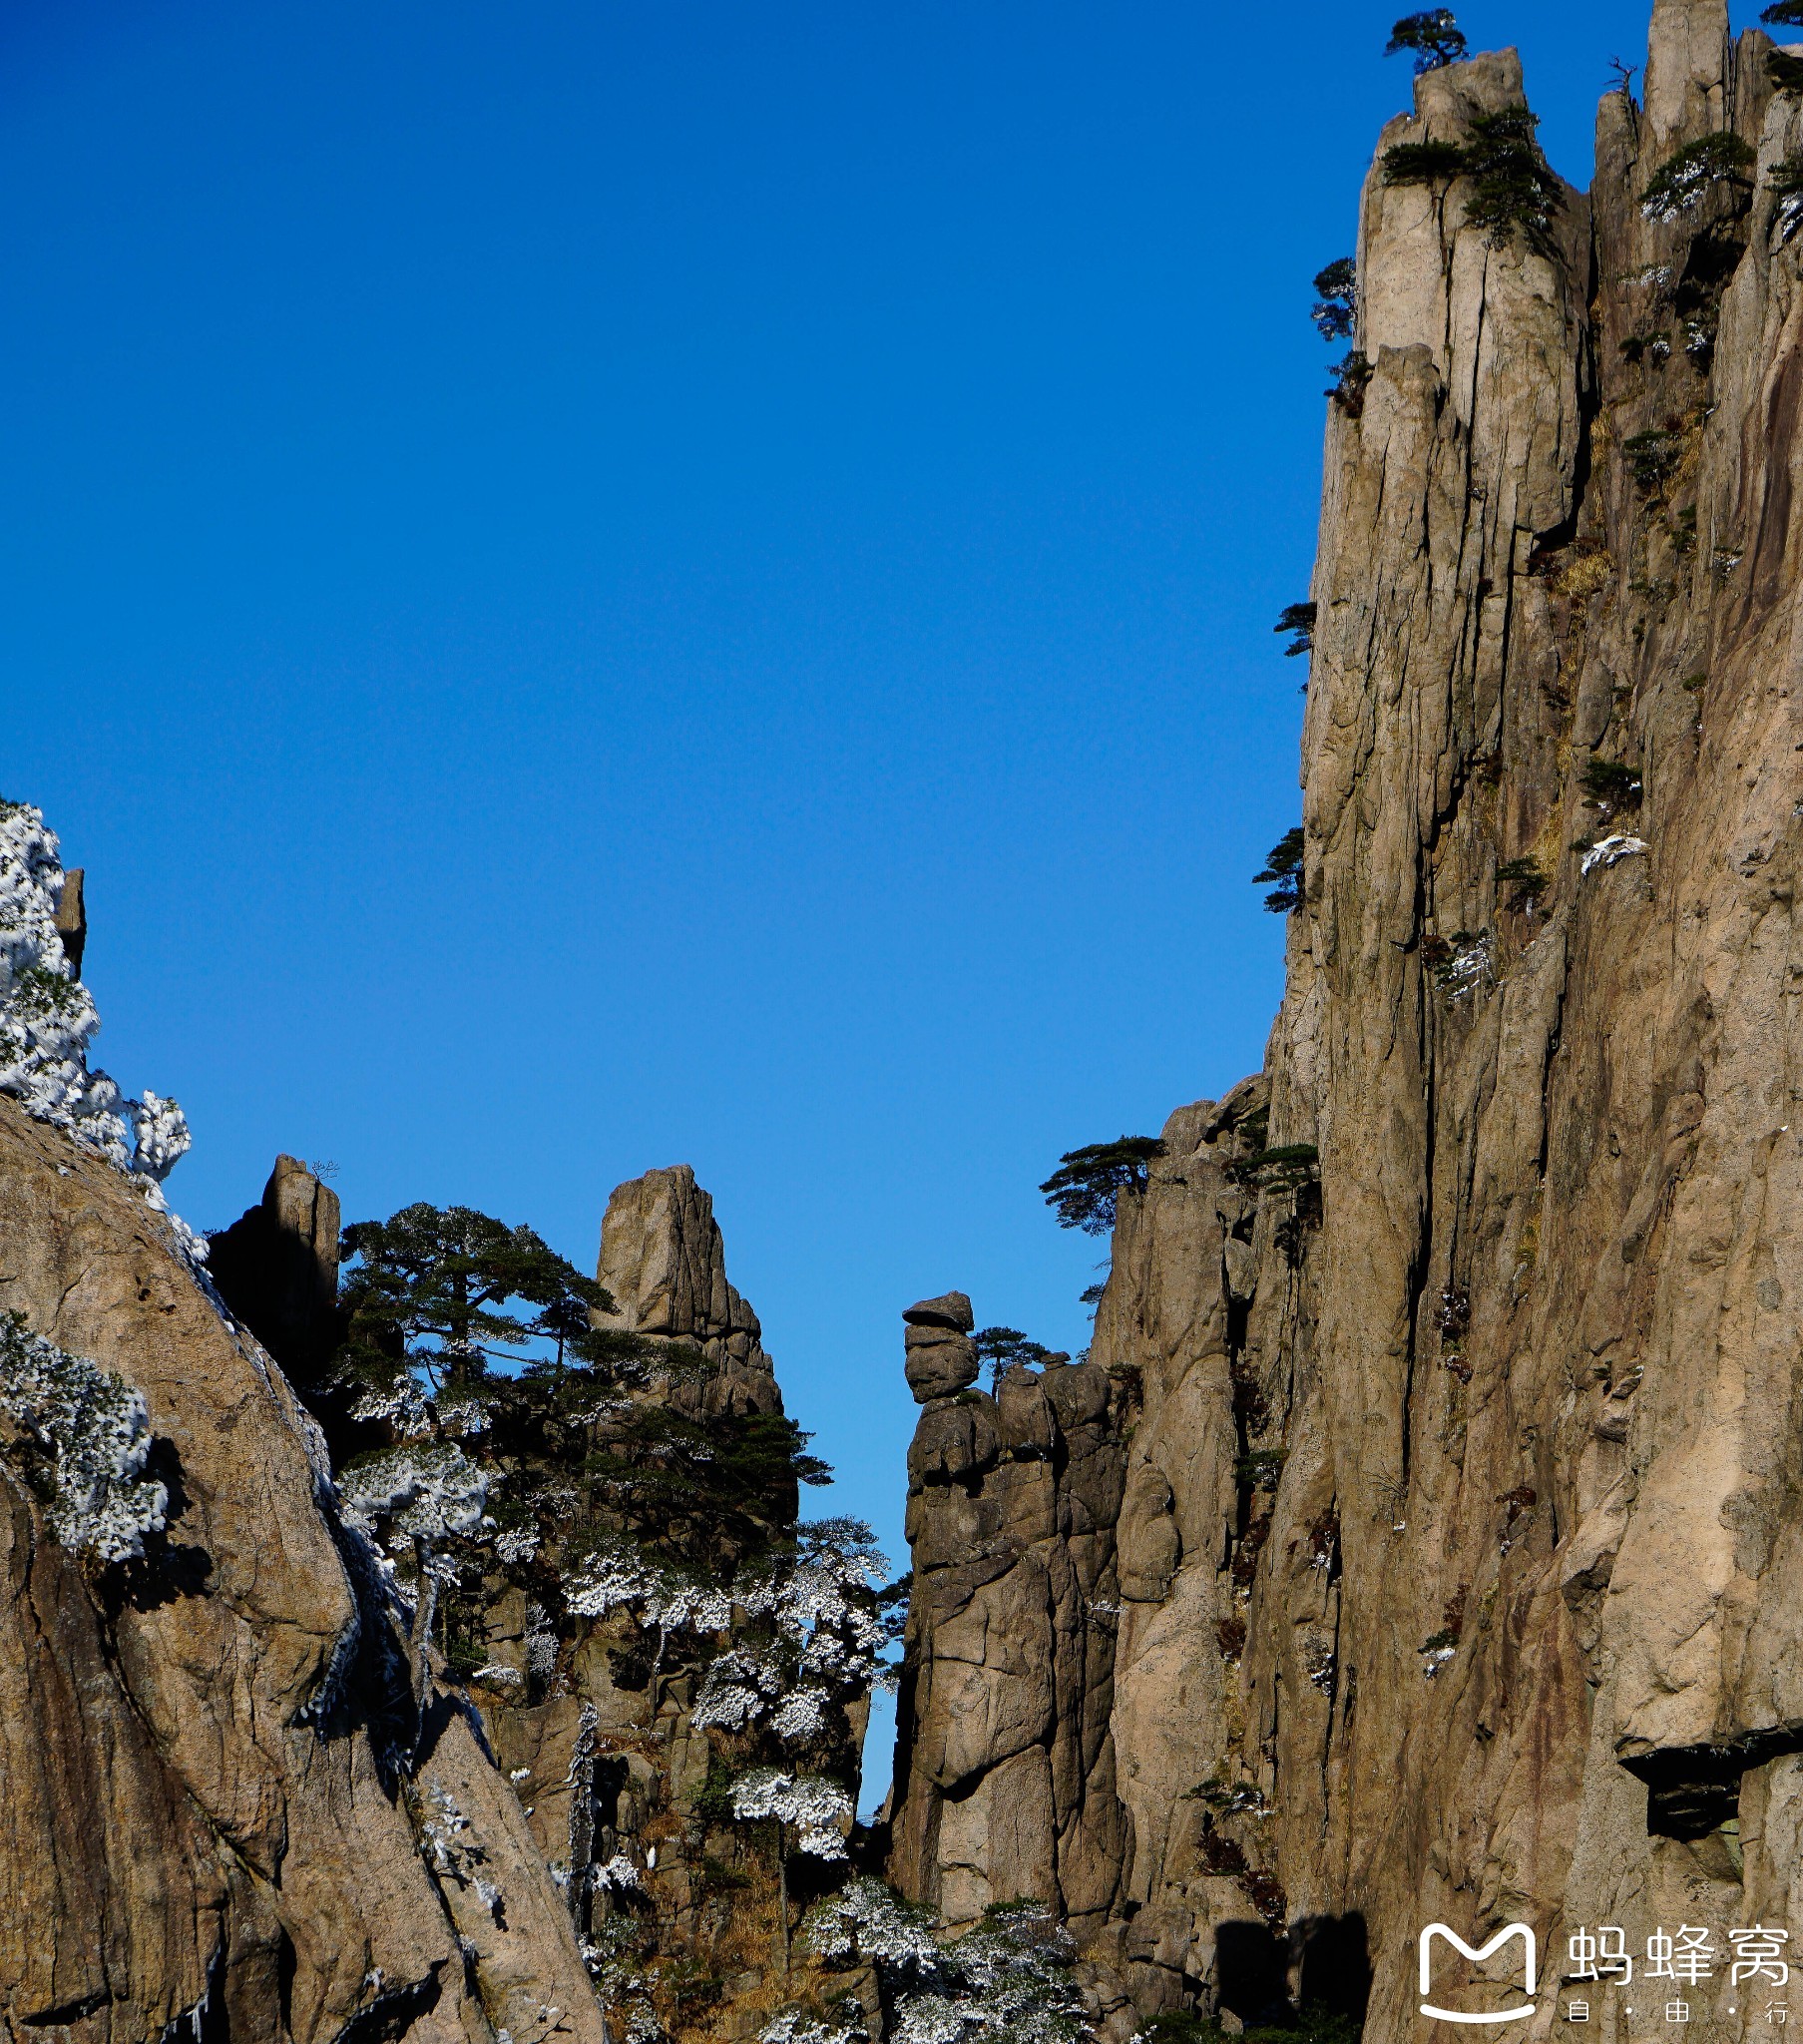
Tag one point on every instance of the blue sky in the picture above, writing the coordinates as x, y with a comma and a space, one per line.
599, 586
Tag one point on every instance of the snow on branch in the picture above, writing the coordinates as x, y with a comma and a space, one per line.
817, 1809
426, 1493
90, 1433
868, 1921
48, 1020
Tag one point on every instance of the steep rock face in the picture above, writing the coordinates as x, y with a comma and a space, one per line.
664, 1264
610, 1761
1460, 1539
204, 1828
1004, 1783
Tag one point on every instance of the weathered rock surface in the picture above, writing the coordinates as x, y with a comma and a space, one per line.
1004, 1783
609, 1759
72, 919
204, 1834
1461, 1526
664, 1264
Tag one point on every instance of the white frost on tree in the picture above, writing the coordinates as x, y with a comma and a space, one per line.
868, 1921
47, 1021
815, 1809
516, 1545
418, 1495
402, 1405
423, 1494
795, 2026
1009, 1981
619, 1876
825, 1641
90, 1433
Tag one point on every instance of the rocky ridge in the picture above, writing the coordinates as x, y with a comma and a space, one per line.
206, 1832
1454, 1358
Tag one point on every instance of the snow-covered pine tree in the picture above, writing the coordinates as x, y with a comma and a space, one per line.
47, 1021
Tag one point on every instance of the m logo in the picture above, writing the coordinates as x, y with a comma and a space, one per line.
1476, 1957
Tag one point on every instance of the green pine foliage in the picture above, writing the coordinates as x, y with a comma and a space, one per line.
1297, 618
1350, 376
1433, 38
1610, 783
448, 1291
1786, 185
1524, 881
1784, 14
1514, 192
1283, 867
1651, 458
1684, 179
1085, 1189
1423, 163
1336, 299
1513, 189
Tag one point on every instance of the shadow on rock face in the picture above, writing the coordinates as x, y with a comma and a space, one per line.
169, 1570
1264, 1977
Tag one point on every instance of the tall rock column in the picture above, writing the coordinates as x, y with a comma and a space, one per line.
276, 1268
1005, 1769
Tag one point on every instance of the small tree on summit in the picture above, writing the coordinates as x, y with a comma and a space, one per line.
1336, 299
1003, 1347
1433, 38
1084, 1188
1284, 866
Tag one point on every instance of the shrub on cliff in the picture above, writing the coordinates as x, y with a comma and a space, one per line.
1610, 785
1087, 1183
1784, 14
1786, 185
1433, 38
84, 1441
47, 1021
1350, 376
1283, 865
1527, 881
1514, 192
1297, 618
1681, 181
1336, 299
1003, 1347
1423, 163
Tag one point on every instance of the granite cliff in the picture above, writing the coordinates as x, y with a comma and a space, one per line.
1421, 1537
1447, 1375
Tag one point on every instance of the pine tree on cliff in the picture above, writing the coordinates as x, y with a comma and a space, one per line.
1003, 1347
1086, 1186
440, 1294
1336, 300
1283, 867
1433, 38
1786, 14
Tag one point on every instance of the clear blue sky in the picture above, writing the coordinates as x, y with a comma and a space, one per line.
600, 585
